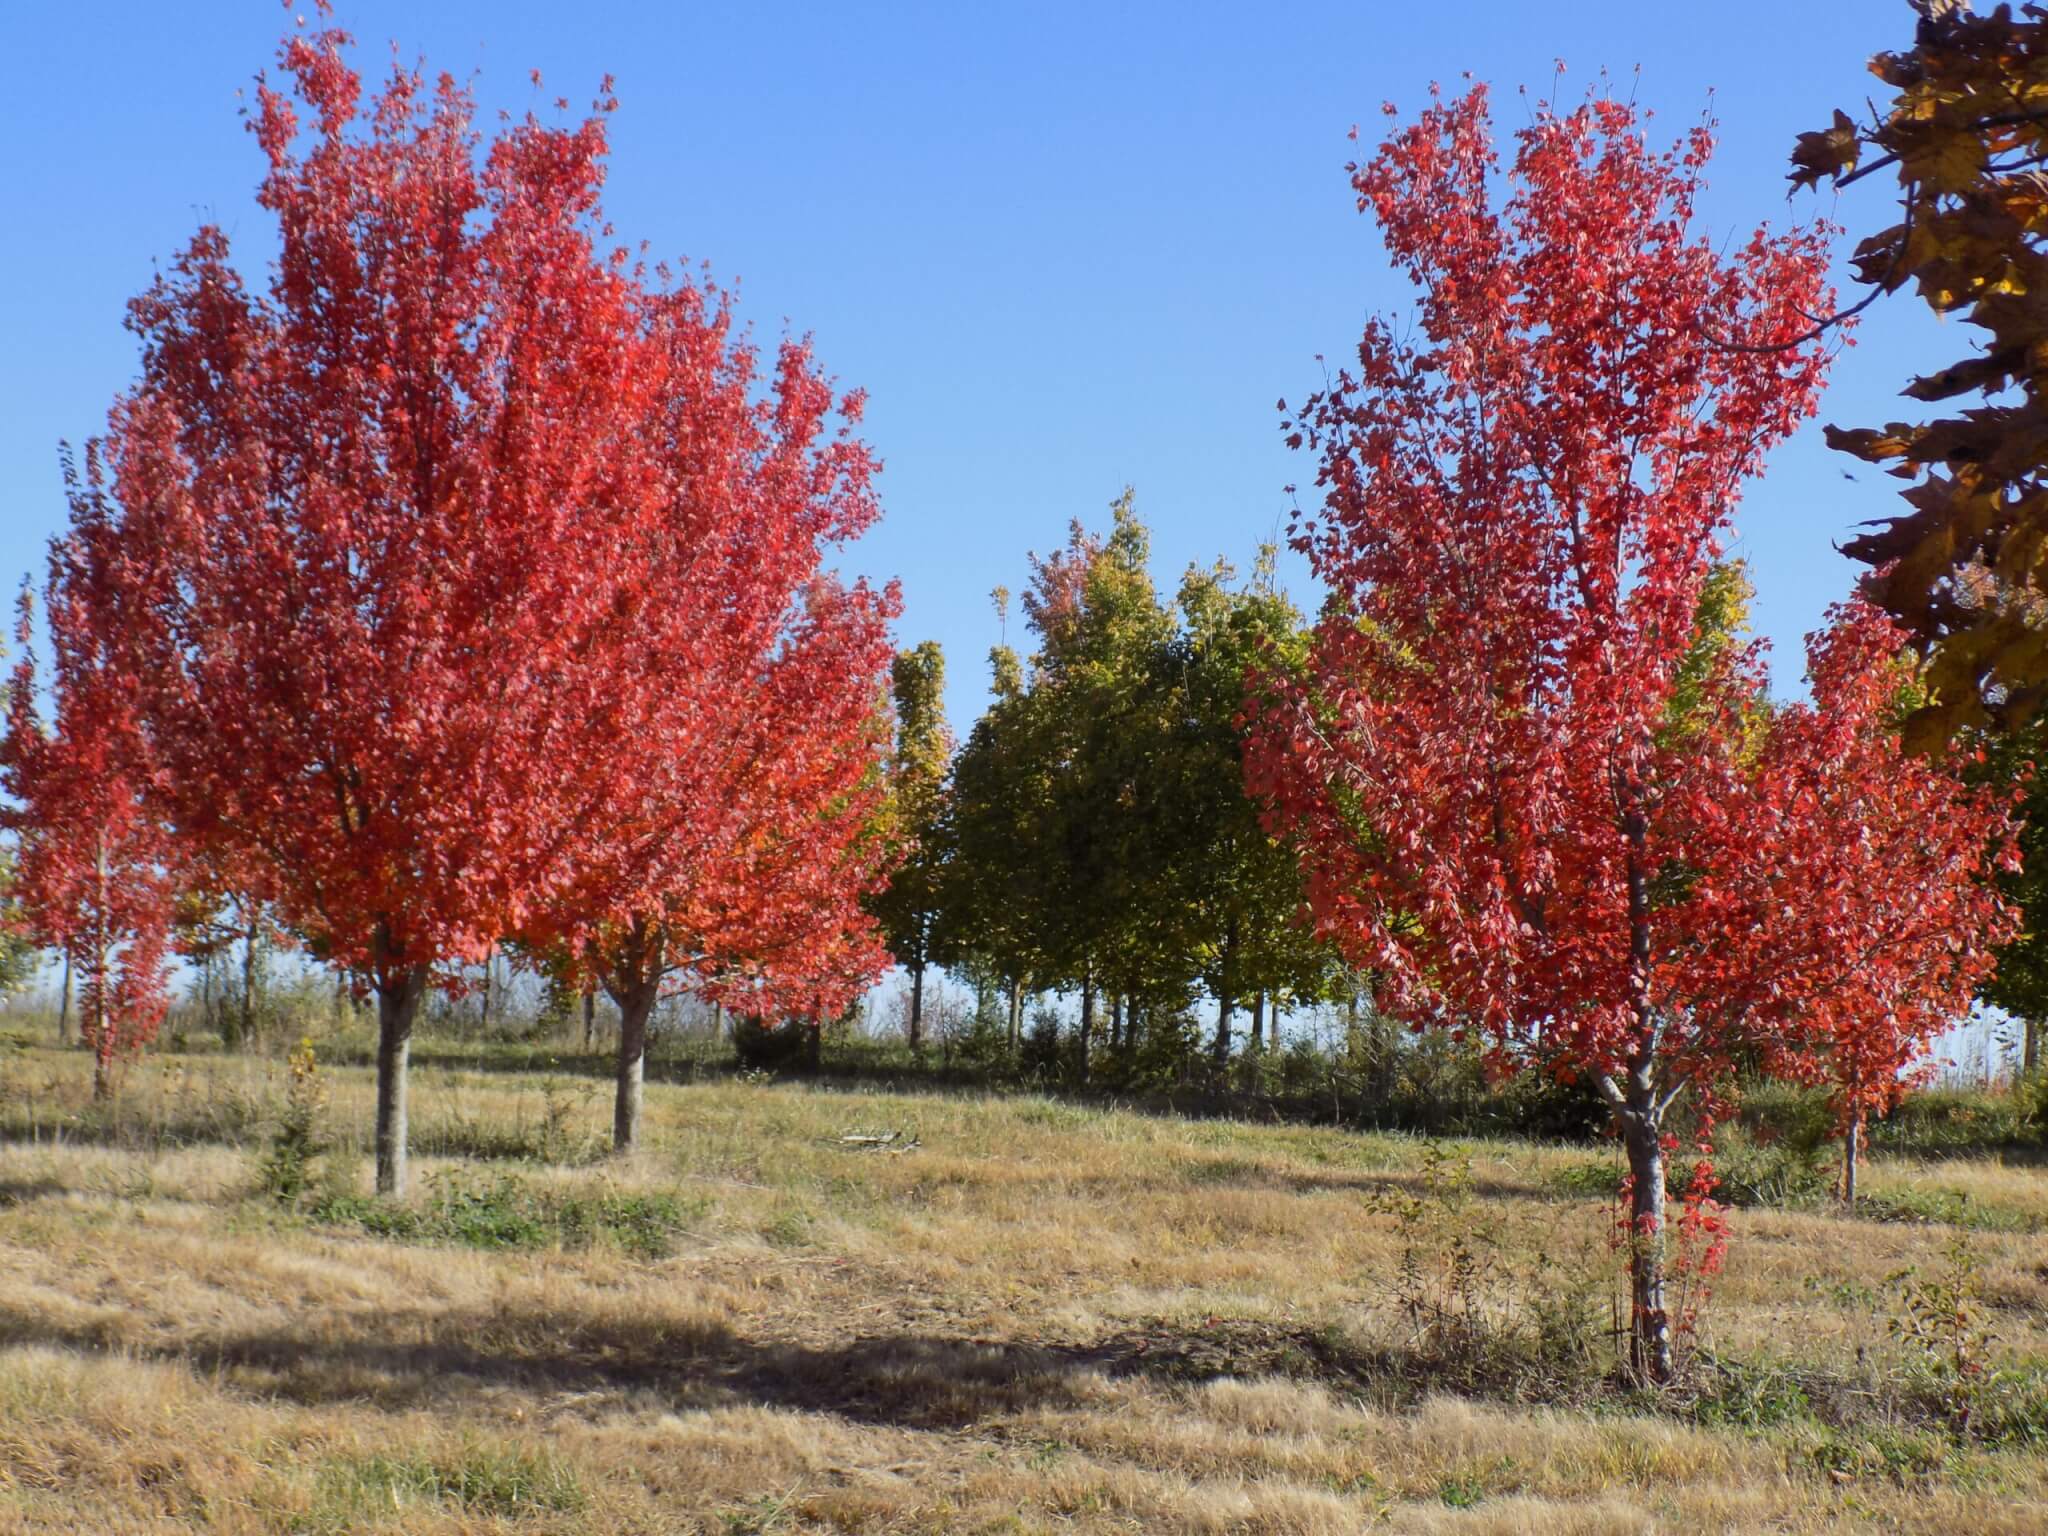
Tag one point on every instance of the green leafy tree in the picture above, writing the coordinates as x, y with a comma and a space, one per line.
1237, 889
917, 820
1104, 841
19, 957
990, 905
1099, 624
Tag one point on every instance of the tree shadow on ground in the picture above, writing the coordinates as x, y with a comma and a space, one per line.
410, 1360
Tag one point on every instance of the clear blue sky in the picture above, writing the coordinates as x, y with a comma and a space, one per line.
1064, 247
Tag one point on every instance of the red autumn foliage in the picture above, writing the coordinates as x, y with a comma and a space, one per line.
733, 856
1890, 871
444, 563
93, 870
1509, 811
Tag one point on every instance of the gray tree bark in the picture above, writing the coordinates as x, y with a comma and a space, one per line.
1852, 1150
1087, 1017
248, 1028
636, 1005
398, 1000
1650, 1344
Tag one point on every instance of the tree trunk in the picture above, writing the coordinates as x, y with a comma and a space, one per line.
248, 1029
1642, 1127
916, 1008
718, 1021
814, 1042
102, 1042
398, 1001
589, 1018
2030, 1046
206, 1017
1224, 1000
1016, 1013
1258, 1036
1116, 1022
1852, 1149
1650, 1346
489, 955
64, 1004
102, 1036
1087, 1016
636, 1005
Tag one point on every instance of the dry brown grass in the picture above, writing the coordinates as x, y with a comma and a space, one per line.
1044, 1319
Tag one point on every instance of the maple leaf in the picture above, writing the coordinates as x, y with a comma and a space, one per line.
1832, 151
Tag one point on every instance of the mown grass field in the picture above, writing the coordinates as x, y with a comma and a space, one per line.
1043, 1317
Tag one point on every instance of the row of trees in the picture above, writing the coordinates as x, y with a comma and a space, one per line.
1094, 834
463, 584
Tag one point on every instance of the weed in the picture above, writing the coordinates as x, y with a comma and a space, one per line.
1941, 1321
1903, 1456
563, 1109
790, 1227
1462, 1492
295, 1147
1751, 1396
1945, 1207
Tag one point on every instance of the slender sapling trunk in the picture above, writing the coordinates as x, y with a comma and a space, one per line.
1852, 1155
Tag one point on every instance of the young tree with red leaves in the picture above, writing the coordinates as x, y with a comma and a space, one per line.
1509, 811
1891, 867
732, 858
93, 876
392, 542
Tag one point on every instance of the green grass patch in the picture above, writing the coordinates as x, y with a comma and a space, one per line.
1777, 1176
490, 1482
1945, 1207
1902, 1456
507, 1214
792, 1226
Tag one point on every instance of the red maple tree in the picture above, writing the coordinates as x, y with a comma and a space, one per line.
423, 553
94, 874
1890, 864
731, 855
1530, 801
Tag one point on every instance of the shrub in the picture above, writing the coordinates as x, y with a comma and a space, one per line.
769, 1047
